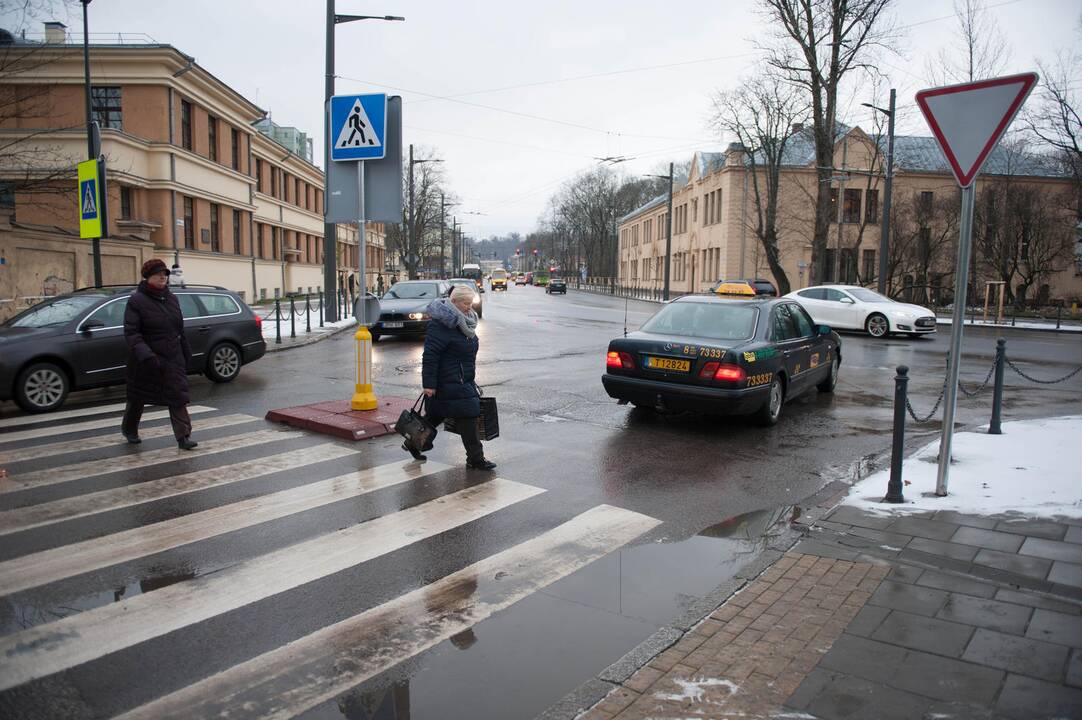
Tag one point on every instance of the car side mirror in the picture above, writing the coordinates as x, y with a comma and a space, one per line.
824, 329
92, 325
848, 301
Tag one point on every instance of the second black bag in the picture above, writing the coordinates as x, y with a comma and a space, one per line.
411, 425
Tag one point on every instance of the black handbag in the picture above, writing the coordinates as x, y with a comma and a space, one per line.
488, 423
414, 427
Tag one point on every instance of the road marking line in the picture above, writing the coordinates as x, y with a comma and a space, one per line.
286, 682
66, 561
138, 460
62, 415
103, 441
41, 651
25, 518
90, 425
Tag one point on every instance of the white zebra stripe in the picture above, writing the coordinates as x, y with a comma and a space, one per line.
286, 682
139, 460
62, 415
101, 441
62, 562
89, 425
41, 651
19, 519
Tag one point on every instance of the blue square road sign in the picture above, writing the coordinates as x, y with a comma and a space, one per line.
358, 127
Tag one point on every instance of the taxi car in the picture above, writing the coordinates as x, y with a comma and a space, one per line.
723, 355
498, 280
749, 286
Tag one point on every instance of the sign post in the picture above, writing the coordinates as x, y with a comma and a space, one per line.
93, 220
967, 121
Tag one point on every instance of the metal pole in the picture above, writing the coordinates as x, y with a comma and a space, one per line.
884, 228
409, 236
362, 289
292, 317
443, 220
965, 237
307, 313
277, 321
92, 152
840, 210
330, 233
897, 449
668, 236
321, 311
997, 394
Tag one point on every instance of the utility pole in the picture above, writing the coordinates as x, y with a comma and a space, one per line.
840, 211
410, 245
443, 264
884, 228
93, 151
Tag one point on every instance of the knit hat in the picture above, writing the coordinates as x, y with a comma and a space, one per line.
461, 292
154, 266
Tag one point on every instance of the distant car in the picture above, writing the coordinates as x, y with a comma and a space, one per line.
76, 342
556, 285
498, 280
723, 355
520, 278
857, 308
404, 308
476, 297
529, 278
540, 279
758, 286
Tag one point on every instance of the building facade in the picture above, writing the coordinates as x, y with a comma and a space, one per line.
190, 179
714, 220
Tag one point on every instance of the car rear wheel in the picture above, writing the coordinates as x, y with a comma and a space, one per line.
42, 387
877, 325
223, 363
831, 380
769, 413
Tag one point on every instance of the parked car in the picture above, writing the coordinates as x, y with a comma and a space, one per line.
723, 355
853, 307
758, 286
477, 305
556, 285
76, 342
404, 308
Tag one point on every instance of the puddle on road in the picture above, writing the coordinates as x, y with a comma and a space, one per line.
522, 660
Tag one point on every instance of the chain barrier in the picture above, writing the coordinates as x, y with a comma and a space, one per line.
926, 418
1065, 378
983, 385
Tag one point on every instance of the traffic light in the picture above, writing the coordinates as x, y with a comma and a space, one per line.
535, 252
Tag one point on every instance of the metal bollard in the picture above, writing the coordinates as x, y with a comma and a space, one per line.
292, 318
894, 485
1059, 315
321, 308
277, 321
997, 393
307, 313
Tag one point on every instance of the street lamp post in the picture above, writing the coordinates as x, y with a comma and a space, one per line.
668, 232
884, 228
93, 149
414, 249
330, 234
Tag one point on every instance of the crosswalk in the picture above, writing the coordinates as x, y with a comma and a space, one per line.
111, 509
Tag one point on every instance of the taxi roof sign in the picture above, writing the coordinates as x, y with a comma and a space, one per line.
735, 288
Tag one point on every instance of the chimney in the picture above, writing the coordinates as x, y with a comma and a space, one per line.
797, 127
734, 154
56, 33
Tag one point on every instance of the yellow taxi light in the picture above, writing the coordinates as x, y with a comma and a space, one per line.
734, 289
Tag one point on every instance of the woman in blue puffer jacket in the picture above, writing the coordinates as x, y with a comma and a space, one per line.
447, 372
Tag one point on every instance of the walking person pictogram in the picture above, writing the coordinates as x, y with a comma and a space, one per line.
357, 126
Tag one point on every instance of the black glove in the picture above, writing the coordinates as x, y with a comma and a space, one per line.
154, 362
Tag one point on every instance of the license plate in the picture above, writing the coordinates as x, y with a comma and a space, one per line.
668, 364
393, 324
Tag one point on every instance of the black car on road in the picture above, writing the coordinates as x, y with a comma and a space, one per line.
556, 285
76, 342
403, 310
723, 355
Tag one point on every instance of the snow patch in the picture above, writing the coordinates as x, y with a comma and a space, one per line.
693, 690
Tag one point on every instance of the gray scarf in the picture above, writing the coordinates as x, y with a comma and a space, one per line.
466, 322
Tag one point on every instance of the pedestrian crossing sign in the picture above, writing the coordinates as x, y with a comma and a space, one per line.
89, 200
358, 126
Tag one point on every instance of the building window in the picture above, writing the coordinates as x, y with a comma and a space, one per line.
215, 237
274, 243
259, 240
297, 193
189, 224
125, 202
926, 199
186, 124
212, 138
870, 269
274, 181
105, 107
871, 214
236, 232
828, 265
234, 147
851, 207
258, 175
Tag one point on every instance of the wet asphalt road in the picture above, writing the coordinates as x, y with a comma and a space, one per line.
716, 486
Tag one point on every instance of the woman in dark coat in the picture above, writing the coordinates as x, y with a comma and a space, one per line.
447, 372
158, 355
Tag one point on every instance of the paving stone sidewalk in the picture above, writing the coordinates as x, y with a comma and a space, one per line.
935, 615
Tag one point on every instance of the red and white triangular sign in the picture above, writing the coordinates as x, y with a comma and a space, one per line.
969, 119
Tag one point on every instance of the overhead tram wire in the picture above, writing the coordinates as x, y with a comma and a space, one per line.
500, 142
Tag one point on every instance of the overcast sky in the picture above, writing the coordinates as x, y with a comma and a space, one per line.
518, 97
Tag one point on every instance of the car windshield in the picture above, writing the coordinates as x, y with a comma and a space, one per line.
865, 295
707, 320
413, 291
58, 312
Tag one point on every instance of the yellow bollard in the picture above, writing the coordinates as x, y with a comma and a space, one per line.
363, 397
1074, 309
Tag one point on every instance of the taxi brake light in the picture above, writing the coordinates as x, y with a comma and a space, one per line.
619, 360
258, 321
708, 370
732, 373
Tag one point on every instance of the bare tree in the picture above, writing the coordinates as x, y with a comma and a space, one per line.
980, 49
817, 44
924, 232
761, 114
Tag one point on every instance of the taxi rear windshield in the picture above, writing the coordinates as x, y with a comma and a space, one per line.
705, 320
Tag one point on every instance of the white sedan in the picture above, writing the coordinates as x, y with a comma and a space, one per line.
857, 308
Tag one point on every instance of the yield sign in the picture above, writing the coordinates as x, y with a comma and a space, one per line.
969, 119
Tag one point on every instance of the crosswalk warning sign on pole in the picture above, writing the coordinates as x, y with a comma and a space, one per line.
89, 200
358, 126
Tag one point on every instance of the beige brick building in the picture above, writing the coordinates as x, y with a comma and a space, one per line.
714, 219
191, 180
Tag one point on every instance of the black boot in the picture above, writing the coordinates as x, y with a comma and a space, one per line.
186, 443
133, 439
480, 464
413, 451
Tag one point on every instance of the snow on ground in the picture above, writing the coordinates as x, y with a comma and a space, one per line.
1065, 326
1031, 469
269, 329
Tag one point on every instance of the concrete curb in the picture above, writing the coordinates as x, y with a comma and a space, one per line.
311, 340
